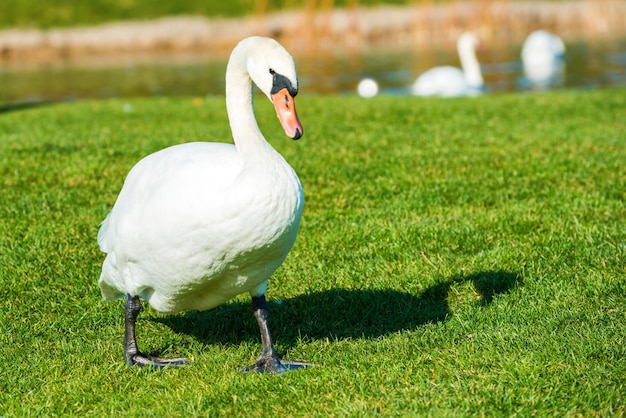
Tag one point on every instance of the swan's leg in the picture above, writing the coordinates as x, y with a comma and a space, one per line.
132, 355
270, 361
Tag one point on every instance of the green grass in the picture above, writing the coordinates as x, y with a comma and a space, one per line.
60, 13
66, 13
456, 258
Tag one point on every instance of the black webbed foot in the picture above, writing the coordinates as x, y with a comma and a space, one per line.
274, 365
132, 355
142, 360
269, 362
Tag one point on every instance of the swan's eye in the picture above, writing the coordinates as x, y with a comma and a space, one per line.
272, 72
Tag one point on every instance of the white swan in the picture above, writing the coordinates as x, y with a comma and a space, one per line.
542, 58
448, 81
199, 223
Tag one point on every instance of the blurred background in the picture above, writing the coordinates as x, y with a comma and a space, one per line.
69, 49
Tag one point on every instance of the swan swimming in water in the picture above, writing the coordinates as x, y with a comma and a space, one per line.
543, 58
200, 223
448, 81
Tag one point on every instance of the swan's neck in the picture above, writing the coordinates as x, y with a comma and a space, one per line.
470, 64
240, 107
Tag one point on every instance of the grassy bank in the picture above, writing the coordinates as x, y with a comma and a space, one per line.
68, 13
64, 13
456, 258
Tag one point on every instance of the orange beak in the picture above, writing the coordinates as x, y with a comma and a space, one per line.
286, 110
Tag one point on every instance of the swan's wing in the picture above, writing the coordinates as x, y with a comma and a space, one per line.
165, 178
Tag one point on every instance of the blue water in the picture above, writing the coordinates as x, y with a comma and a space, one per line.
587, 66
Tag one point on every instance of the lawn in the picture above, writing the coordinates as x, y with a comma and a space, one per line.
456, 258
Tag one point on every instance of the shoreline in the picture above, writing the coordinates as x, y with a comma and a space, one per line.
308, 31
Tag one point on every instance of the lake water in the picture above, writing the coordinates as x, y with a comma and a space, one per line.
587, 65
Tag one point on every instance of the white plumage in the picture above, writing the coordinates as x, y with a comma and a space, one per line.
367, 88
542, 57
199, 223
195, 226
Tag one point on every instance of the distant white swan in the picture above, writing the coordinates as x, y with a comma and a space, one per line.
200, 223
368, 87
543, 58
448, 81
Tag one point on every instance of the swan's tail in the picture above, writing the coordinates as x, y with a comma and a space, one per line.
110, 282
102, 234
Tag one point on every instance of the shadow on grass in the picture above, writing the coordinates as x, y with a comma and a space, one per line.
337, 313
12, 107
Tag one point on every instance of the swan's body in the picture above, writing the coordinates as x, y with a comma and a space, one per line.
199, 223
195, 225
542, 57
448, 81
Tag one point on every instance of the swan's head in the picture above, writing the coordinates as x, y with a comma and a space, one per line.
273, 70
